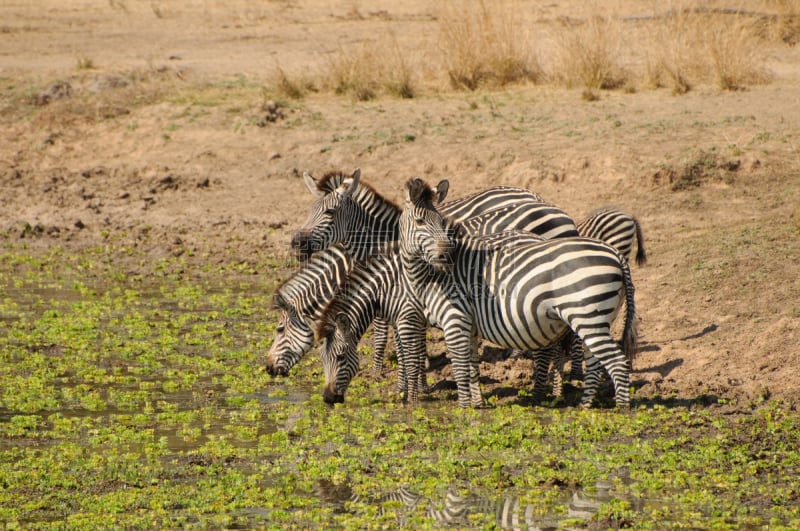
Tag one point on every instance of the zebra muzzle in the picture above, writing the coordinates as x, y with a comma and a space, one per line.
440, 256
330, 396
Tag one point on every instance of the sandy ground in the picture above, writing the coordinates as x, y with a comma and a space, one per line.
153, 148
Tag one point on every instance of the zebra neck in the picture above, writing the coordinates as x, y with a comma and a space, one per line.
375, 222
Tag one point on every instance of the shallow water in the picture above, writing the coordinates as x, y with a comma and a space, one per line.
153, 401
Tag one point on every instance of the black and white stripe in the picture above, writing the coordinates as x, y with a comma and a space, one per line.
375, 288
350, 212
618, 229
621, 231
300, 301
378, 287
516, 291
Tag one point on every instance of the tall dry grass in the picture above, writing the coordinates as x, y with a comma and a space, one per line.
481, 44
485, 44
692, 46
588, 52
373, 67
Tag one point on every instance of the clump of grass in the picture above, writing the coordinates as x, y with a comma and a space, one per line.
484, 45
588, 53
375, 66
85, 63
290, 87
692, 46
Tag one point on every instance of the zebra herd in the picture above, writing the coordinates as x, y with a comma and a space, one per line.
501, 265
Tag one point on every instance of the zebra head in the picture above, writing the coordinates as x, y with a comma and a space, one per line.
293, 338
330, 215
422, 228
339, 356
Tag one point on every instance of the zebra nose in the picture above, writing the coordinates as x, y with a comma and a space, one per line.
331, 397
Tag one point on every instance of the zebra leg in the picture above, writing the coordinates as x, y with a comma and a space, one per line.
576, 358
476, 396
402, 366
605, 351
380, 338
460, 342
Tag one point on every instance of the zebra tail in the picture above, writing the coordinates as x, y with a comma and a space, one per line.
629, 334
641, 255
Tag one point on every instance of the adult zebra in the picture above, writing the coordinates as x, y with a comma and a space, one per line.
350, 212
621, 231
515, 291
300, 301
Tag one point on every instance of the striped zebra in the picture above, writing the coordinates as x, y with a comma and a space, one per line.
300, 301
378, 287
350, 212
618, 229
515, 291
621, 231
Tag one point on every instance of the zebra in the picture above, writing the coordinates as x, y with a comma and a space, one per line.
300, 301
620, 230
353, 213
375, 288
515, 291
378, 287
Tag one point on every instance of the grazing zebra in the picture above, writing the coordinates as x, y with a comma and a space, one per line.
377, 287
516, 291
353, 213
620, 230
300, 301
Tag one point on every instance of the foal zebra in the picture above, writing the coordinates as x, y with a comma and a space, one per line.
300, 301
515, 291
354, 214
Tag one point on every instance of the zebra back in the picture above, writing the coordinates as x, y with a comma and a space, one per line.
310, 288
618, 229
541, 219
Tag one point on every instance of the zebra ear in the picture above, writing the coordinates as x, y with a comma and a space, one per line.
311, 184
356, 177
441, 190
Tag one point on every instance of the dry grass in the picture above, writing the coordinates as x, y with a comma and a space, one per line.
588, 52
371, 68
680, 44
692, 46
485, 46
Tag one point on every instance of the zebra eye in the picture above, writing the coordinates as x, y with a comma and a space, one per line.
420, 221
330, 210
280, 329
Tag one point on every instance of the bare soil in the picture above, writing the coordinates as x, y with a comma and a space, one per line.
143, 126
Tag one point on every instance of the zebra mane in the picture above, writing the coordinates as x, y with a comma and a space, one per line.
327, 322
419, 191
329, 182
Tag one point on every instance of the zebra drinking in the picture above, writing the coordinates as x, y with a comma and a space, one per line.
300, 301
515, 291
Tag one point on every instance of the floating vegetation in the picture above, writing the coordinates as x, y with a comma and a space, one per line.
127, 404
